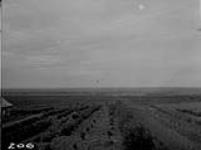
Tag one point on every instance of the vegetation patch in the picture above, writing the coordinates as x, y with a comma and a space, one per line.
138, 138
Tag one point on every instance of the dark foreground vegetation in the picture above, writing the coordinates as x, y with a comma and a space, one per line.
92, 122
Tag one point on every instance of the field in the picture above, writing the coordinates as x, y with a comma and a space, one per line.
104, 120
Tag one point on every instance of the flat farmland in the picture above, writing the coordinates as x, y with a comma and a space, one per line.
177, 124
110, 120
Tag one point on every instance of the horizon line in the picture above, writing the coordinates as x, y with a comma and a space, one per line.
28, 88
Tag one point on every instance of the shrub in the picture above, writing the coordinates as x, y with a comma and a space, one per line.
138, 138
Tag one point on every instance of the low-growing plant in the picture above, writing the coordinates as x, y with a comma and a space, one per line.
138, 138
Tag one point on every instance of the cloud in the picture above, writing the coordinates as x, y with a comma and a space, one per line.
78, 42
141, 7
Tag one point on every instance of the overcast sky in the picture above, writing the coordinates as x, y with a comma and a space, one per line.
104, 43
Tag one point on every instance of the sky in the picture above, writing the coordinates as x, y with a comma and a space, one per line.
101, 43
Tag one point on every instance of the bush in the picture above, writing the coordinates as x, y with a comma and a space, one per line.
138, 138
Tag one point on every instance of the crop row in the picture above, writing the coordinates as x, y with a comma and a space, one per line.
20, 133
21, 130
93, 129
30, 111
191, 112
64, 124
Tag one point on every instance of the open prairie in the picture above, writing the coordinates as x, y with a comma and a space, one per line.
105, 119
